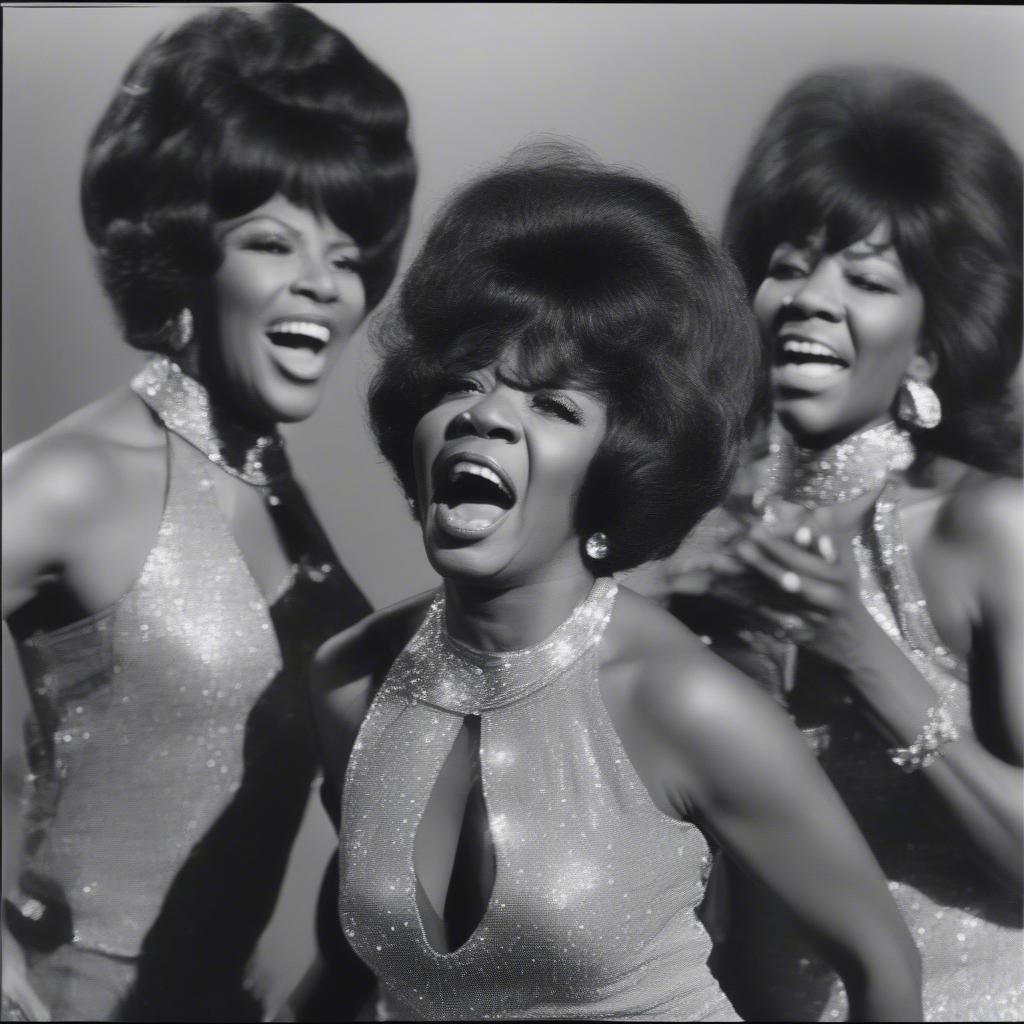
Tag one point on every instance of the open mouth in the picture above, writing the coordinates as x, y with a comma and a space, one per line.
472, 494
805, 358
299, 348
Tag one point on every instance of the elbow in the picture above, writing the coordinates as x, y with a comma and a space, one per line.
884, 982
888, 988
894, 991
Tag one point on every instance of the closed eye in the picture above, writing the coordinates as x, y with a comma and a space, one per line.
558, 405
869, 284
274, 246
459, 386
786, 271
346, 263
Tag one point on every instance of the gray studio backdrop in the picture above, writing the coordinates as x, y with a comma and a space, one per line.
675, 91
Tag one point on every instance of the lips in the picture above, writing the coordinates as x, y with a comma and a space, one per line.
472, 495
299, 347
803, 362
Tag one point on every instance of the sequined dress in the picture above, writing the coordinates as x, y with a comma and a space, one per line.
967, 928
593, 910
171, 755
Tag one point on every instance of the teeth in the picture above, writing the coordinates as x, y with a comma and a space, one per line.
305, 328
475, 469
818, 369
808, 348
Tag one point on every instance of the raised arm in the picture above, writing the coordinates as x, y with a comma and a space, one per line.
749, 778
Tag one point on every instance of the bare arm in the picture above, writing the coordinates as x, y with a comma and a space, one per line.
52, 492
748, 777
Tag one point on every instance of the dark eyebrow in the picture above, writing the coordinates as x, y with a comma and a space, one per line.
886, 251
345, 242
244, 222
522, 384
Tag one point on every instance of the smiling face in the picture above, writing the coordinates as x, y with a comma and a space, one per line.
286, 298
498, 470
843, 328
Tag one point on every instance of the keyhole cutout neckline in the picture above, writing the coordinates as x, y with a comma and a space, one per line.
455, 830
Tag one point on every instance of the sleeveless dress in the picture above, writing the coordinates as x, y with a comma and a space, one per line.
967, 928
593, 909
171, 760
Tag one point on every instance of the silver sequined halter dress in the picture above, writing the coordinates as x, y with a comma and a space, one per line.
593, 910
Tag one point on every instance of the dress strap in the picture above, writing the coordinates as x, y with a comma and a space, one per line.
891, 591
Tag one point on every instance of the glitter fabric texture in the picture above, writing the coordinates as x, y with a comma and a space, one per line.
171, 749
855, 466
967, 928
184, 406
149, 694
592, 915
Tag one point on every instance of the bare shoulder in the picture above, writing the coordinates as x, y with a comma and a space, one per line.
983, 518
74, 471
679, 686
348, 665
346, 672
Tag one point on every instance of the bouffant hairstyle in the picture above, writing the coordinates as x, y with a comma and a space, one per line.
214, 118
583, 276
847, 148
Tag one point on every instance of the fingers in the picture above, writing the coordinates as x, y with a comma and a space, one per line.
806, 553
756, 614
804, 580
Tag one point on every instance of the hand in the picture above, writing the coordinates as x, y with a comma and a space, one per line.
16, 987
799, 579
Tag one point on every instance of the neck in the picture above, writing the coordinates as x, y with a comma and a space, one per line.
821, 442
856, 465
511, 619
184, 406
207, 371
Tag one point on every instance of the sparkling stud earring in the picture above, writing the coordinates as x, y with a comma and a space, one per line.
184, 328
787, 300
597, 546
917, 405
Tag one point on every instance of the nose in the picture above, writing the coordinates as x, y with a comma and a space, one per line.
316, 279
492, 416
819, 292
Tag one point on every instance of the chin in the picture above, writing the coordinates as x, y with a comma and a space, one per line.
466, 564
812, 422
290, 404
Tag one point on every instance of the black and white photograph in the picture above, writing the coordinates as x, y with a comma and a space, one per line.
512, 511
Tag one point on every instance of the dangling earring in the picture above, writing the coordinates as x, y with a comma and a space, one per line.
411, 502
917, 405
597, 546
184, 328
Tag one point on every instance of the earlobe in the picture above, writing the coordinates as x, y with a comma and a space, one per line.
923, 365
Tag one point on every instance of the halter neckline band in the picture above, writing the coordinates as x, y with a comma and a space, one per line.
448, 674
184, 406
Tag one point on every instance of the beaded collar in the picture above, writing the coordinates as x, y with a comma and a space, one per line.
445, 673
183, 406
855, 466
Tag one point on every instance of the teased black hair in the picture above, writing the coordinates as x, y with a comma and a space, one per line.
599, 279
214, 118
847, 148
